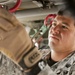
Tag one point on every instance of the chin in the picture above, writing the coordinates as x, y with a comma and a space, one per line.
52, 44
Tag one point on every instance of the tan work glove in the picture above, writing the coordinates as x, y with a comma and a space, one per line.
15, 42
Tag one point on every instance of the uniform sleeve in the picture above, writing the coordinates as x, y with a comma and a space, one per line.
72, 70
47, 71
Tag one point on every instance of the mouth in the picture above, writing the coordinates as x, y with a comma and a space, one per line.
54, 37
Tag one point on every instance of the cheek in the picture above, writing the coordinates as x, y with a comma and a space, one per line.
67, 37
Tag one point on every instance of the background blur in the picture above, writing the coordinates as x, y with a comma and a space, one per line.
31, 13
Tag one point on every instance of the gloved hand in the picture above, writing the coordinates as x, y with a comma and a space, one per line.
15, 42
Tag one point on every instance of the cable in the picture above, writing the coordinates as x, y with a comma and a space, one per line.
13, 9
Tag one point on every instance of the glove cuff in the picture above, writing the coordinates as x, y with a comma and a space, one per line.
37, 68
30, 58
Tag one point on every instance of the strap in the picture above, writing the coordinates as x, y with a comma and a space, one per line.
30, 58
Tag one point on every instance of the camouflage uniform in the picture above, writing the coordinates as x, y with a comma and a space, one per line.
63, 67
7, 67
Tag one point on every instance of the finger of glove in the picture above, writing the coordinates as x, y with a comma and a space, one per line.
5, 25
11, 19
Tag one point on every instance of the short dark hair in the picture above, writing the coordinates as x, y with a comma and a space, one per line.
66, 12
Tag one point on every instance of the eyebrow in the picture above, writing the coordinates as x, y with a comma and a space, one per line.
66, 24
62, 22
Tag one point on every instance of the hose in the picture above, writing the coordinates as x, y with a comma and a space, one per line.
13, 9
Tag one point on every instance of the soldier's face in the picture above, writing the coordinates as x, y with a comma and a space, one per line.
62, 34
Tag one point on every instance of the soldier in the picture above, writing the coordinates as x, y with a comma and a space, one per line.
17, 49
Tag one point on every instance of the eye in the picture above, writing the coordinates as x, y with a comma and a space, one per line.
53, 24
64, 27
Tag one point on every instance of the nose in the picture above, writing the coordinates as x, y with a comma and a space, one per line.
55, 29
